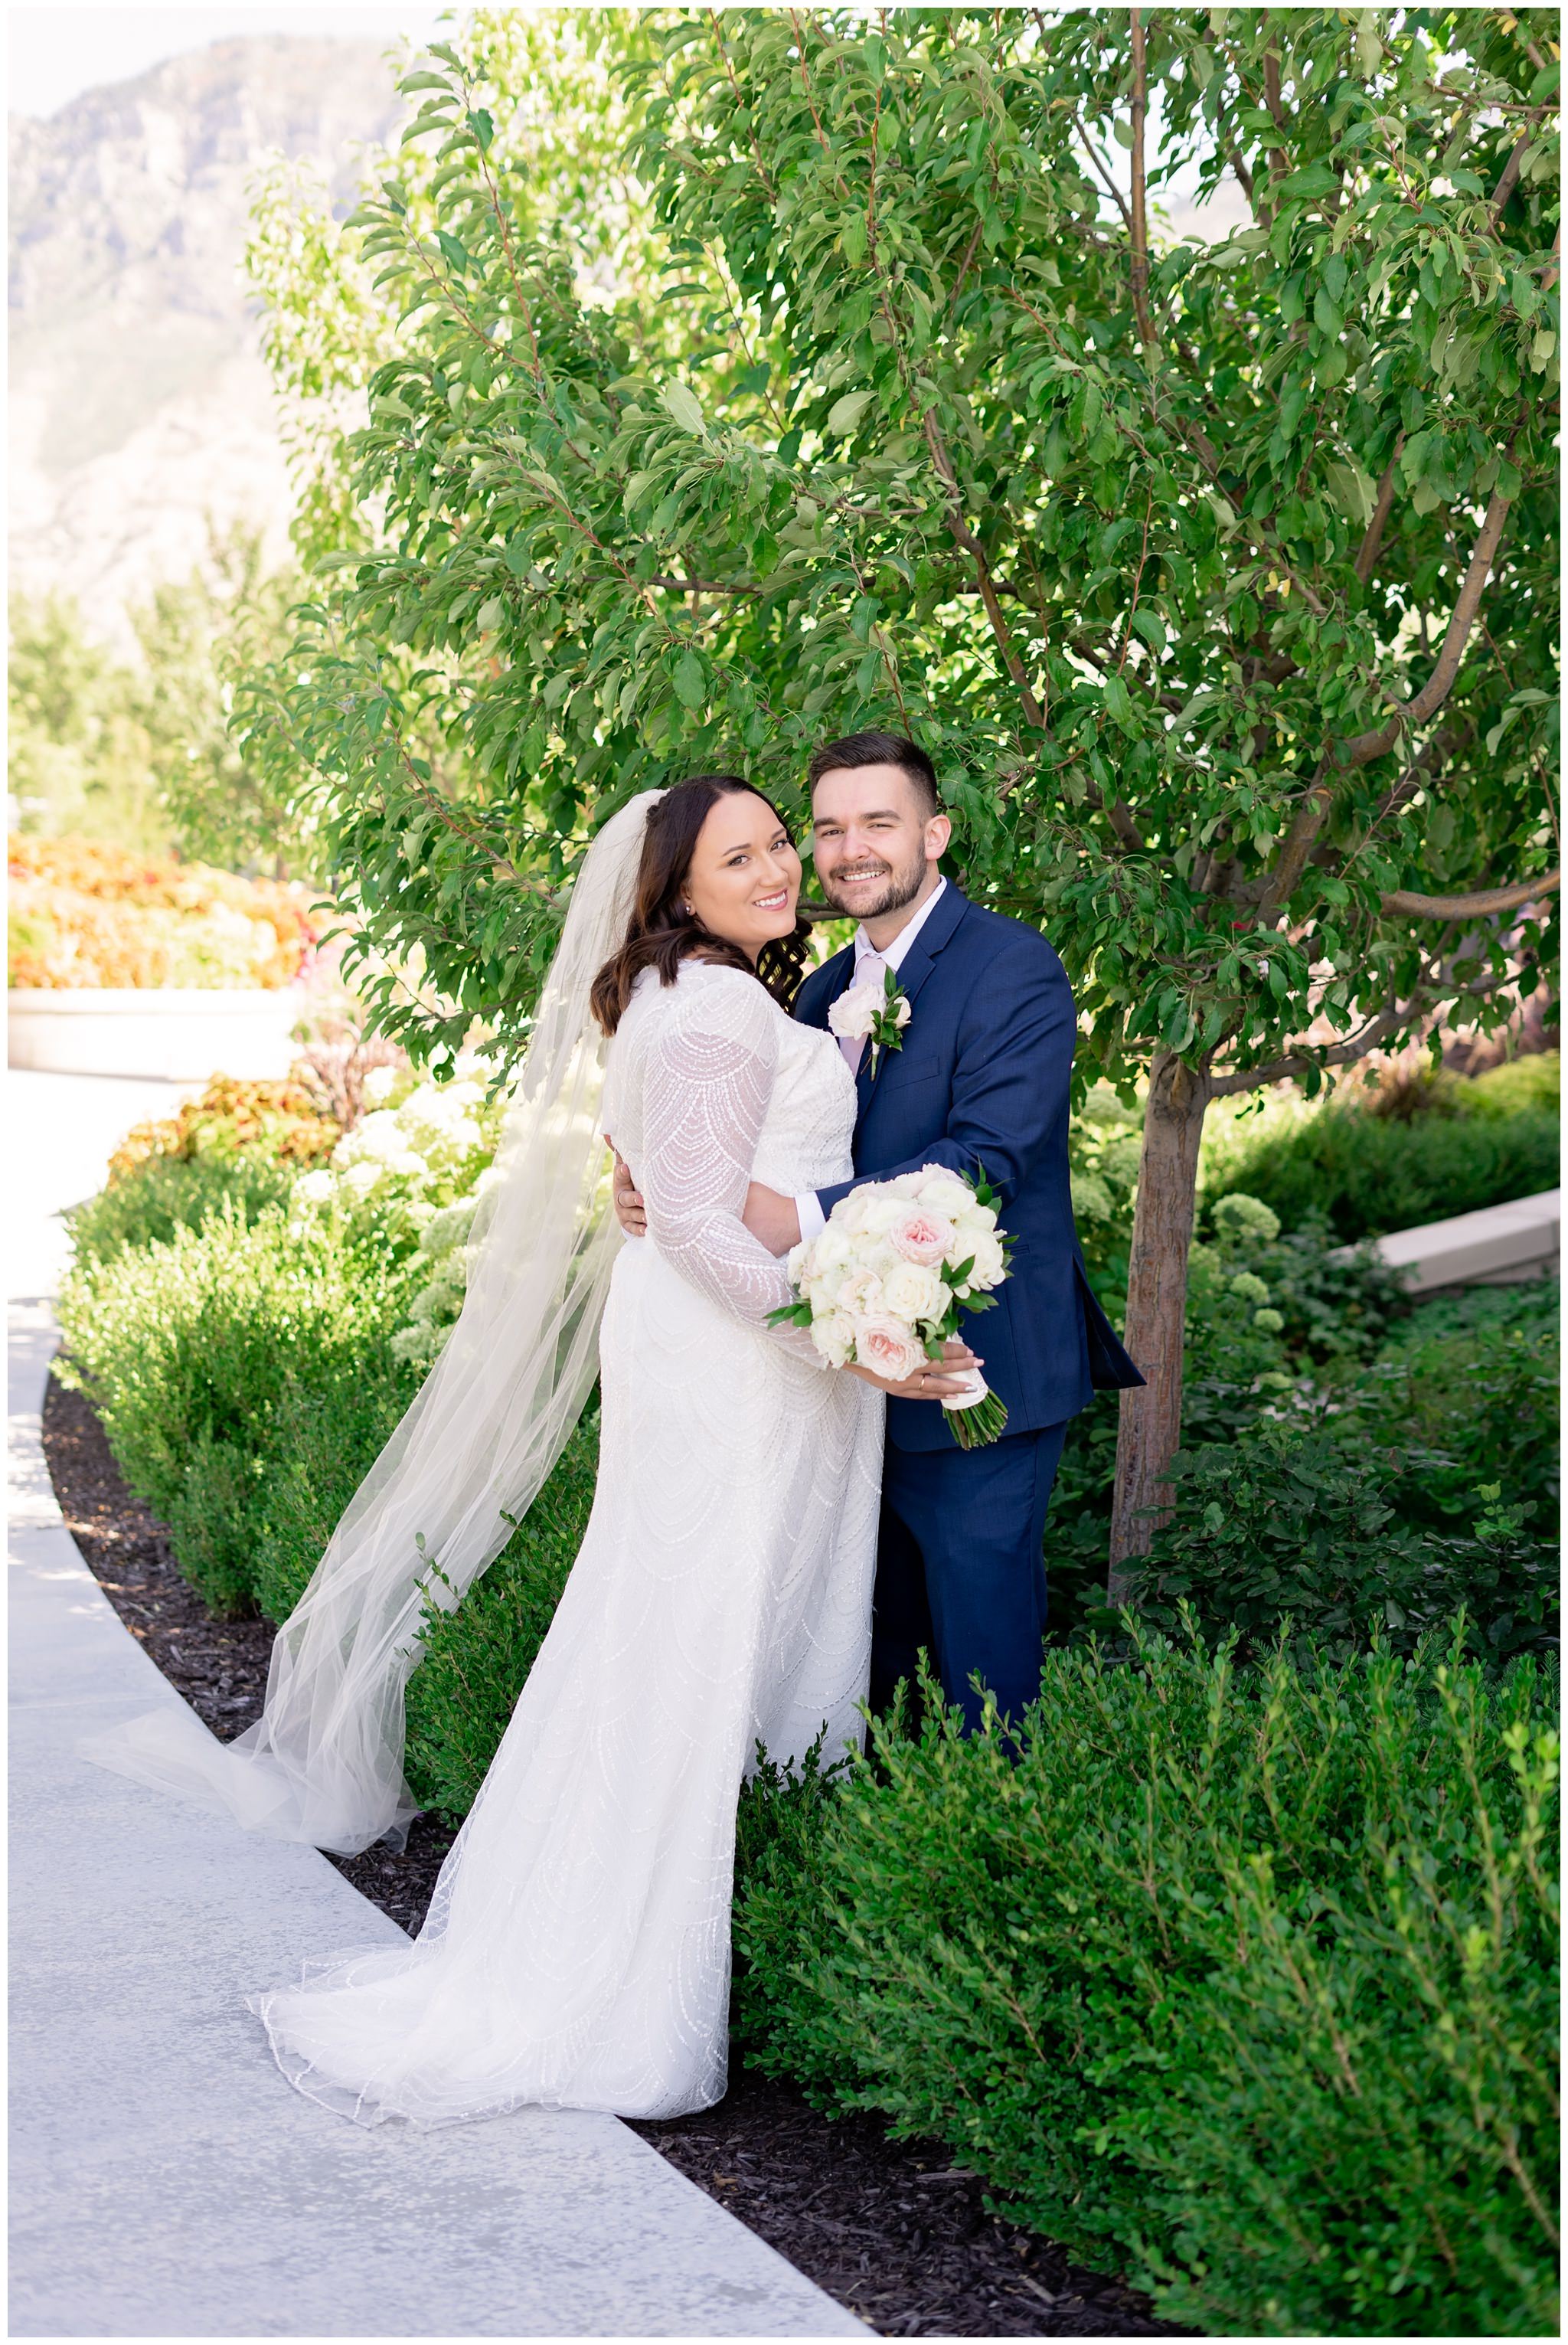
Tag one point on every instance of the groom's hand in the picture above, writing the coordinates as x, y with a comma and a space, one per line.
771, 1219
629, 1210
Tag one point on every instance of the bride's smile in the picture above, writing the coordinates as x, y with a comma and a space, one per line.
743, 881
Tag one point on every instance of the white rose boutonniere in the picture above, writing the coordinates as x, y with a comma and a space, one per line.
874, 1013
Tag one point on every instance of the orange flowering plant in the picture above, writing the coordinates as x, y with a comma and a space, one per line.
84, 913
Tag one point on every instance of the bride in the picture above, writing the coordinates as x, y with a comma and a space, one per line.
577, 1952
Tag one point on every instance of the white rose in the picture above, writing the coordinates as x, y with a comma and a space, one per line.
899, 1011
314, 1188
795, 1263
990, 1263
861, 1293
830, 1250
851, 1015
913, 1292
822, 1293
944, 1192
902, 1185
849, 1214
882, 1212
834, 1336
977, 1223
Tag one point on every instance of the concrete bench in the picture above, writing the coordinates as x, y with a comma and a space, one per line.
1501, 1245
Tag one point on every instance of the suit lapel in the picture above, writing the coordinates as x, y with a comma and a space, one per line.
918, 964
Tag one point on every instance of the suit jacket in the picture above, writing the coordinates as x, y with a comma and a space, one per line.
983, 1081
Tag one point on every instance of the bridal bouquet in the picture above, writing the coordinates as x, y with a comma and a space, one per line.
884, 1282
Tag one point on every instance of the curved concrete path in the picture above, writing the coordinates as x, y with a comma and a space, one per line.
165, 2181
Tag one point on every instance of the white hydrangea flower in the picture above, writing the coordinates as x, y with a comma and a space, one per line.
379, 1084
314, 1188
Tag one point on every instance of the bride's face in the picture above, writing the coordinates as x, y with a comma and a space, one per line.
745, 881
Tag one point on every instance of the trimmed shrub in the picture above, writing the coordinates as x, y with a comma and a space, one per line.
1367, 1174
477, 1657
144, 1207
188, 1350
1247, 1977
1469, 1385
1300, 1523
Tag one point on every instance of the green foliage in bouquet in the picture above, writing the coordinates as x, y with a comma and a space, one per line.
1246, 1978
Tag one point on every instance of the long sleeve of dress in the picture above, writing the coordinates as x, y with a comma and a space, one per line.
706, 1086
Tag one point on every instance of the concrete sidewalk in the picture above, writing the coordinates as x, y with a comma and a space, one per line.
166, 2181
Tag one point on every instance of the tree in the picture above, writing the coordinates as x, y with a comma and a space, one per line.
139, 753
1219, 580
77, 753
229, 616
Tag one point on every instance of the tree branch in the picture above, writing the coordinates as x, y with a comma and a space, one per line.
1362, 747
1105, 174
1371, 544
1477, 905
1510, 179
1434, 985
964, 537
1138, 223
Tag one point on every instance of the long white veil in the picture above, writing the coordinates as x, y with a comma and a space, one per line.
324, 1763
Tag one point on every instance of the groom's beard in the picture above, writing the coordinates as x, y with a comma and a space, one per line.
902, 886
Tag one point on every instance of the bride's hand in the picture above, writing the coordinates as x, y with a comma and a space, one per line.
937, 1380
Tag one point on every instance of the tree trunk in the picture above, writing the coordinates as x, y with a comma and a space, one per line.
1150, 1429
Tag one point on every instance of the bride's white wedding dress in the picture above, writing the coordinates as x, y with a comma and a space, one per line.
577, 1953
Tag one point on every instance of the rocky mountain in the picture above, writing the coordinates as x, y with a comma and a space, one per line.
140, 410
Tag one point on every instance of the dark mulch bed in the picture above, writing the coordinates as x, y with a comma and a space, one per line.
893, 2230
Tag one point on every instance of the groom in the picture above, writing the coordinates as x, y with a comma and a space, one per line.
981, 1083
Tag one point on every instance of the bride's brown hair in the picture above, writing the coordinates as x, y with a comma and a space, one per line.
662, 933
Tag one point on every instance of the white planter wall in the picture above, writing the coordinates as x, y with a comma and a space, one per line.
182, 1032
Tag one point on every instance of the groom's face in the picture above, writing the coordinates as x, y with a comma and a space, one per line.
873, 843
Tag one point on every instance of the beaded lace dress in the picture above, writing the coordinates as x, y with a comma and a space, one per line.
577, 1952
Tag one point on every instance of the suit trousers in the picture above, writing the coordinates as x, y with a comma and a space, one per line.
960, 1568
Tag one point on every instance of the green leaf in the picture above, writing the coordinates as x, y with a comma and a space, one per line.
691, 680
1352, 488
845, 413
681, 406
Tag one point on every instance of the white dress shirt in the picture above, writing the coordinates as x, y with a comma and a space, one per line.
812, 1217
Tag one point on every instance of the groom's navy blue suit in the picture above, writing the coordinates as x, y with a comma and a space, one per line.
981, 1081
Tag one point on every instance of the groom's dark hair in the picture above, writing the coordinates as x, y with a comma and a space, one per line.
878, 749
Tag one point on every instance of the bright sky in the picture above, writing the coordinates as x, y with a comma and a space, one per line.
56, 52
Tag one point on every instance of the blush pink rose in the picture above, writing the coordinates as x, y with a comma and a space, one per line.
885, 1346
920, 1235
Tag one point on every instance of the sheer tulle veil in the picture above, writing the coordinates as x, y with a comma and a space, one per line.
324, 1763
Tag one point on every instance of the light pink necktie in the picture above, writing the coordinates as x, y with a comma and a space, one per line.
869, 971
